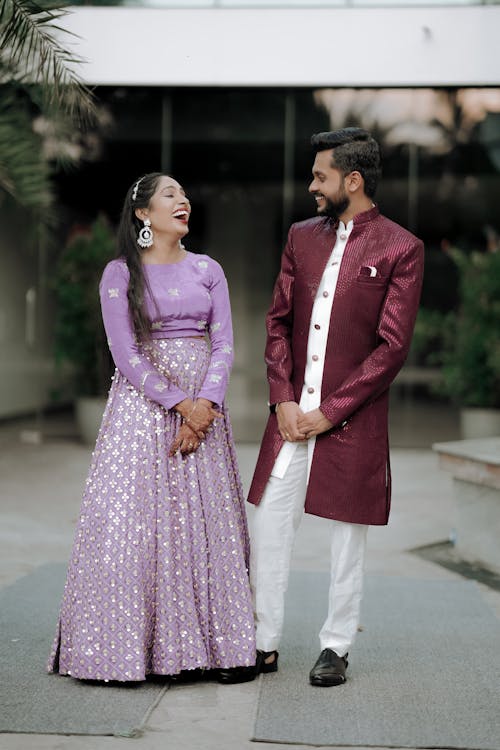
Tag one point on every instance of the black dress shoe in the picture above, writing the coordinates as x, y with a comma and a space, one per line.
329, 669
200, 674
234, 675
262, 665
245, 674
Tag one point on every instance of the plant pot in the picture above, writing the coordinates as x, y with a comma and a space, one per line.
88, 413
479, 423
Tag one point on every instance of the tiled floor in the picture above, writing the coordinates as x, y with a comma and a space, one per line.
42, 471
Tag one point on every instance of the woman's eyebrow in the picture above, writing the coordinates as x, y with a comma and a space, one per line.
172, 187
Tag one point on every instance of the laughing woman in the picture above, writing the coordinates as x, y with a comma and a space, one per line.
158, 578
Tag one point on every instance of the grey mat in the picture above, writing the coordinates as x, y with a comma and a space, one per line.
35, 702
424, 672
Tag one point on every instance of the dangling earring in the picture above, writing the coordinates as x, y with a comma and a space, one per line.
145, 238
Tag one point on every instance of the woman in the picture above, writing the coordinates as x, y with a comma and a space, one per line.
158, 579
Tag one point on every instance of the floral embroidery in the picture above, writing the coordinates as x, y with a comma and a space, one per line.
215, 327
113, 292
173, 292
227, 349
215, 378
220, 363
160, 387
201, 325
157, 325
202, 264
145, 376
134, 361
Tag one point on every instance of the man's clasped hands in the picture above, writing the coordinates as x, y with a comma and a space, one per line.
296, 426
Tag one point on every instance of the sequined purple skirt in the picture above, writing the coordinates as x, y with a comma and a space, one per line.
158, 577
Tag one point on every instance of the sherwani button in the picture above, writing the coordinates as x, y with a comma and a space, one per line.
310, 390
314, 357
325, 294
343, 236
317, 326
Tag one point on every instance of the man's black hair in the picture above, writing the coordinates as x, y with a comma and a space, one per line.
355, 150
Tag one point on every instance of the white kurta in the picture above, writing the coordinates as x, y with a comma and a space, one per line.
316, 348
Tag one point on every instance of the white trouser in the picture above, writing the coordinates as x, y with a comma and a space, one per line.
276, 520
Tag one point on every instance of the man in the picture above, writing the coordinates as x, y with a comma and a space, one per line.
339, 330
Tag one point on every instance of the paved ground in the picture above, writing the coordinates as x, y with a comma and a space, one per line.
40, 488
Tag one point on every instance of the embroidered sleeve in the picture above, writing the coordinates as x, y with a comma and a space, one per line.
127, 355
220, 331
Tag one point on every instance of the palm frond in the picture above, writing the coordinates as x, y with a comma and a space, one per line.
24, 173
29, 44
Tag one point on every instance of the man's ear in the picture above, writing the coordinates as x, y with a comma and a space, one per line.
141, 213
354, 181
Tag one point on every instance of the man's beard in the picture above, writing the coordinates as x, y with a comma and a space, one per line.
335, 208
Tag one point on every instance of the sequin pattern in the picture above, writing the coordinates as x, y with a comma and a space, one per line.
158, 578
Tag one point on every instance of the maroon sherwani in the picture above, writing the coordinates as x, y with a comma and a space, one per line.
370, 330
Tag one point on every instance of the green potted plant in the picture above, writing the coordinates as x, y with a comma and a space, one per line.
471, 358
465, 343
471, 344
80, 340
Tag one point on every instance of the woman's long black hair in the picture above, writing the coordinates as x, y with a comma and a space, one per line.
138, 196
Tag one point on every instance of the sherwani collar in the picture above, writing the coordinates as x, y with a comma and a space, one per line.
325, 236
360, 220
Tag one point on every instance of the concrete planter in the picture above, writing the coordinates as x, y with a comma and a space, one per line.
88, 412
479, 423
475, 466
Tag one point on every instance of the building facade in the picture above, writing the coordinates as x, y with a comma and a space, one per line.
225, 96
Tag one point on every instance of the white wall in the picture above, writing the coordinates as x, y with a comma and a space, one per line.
280, 47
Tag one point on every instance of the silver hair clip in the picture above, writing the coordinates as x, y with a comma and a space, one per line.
136, 187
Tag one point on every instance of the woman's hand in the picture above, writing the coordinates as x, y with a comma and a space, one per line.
186, 441
198, 415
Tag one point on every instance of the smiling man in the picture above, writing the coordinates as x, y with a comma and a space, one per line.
339, 329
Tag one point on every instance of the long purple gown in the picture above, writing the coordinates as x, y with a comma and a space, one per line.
158, 577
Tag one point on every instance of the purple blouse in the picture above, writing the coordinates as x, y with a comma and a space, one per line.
190, 298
